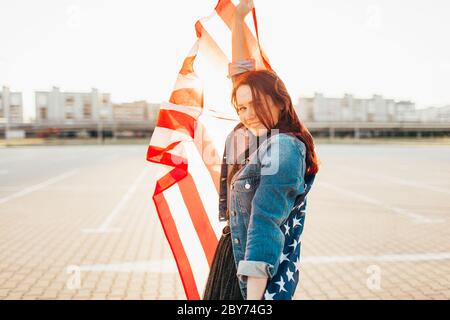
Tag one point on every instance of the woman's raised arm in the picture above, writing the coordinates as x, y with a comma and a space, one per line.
240, 48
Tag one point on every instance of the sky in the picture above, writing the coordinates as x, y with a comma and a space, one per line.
134, 49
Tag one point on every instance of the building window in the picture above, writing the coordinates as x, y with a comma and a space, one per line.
43, 113
70, 100
14, 108
87, 110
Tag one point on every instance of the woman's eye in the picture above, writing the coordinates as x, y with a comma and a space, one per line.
241, 109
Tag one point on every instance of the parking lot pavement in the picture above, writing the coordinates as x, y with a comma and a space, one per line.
78, 222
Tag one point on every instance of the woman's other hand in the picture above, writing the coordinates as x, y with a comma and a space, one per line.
243, 8
256, 288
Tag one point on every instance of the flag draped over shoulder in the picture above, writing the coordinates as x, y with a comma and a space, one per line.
188, 143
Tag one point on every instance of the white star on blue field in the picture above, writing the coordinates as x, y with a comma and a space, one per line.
282, 286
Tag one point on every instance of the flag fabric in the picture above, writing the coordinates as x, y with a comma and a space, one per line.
283, 284
188, 142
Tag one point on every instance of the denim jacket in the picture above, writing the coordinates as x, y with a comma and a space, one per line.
267, 202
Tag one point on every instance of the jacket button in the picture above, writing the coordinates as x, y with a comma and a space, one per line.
247, 186
236, 241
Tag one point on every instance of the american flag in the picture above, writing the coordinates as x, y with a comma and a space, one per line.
188, 142
283, 284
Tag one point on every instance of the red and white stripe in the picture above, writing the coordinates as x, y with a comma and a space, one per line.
188, 142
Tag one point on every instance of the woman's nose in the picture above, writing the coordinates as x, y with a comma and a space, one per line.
250, 114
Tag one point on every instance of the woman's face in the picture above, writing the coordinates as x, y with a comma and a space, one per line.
246, 110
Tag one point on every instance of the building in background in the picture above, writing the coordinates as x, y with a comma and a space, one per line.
130, 111
72, 107
136, 112
11, 106
350, 109
406, 112
435, 114
153, 112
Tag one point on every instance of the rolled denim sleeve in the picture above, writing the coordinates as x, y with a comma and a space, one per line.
281, 181
240, 66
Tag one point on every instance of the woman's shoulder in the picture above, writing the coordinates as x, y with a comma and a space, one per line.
288, 142
284, 154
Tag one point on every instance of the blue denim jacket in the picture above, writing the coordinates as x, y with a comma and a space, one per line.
267, 202
267, 211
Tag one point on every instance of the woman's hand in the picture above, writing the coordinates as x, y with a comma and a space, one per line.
243, 8
240, 50
256, 288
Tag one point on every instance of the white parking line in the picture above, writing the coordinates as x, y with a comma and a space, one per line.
415, 217
38, 186
152, 266
110, 157
104, 227
63, 158
383, 258
169, 265
409, 183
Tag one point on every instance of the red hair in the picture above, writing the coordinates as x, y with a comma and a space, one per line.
265, 84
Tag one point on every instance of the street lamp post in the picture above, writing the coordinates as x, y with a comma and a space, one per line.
6, 112
100, 137
99, 129
3, 120
7, 131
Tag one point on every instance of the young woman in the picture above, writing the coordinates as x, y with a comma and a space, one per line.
264, 182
